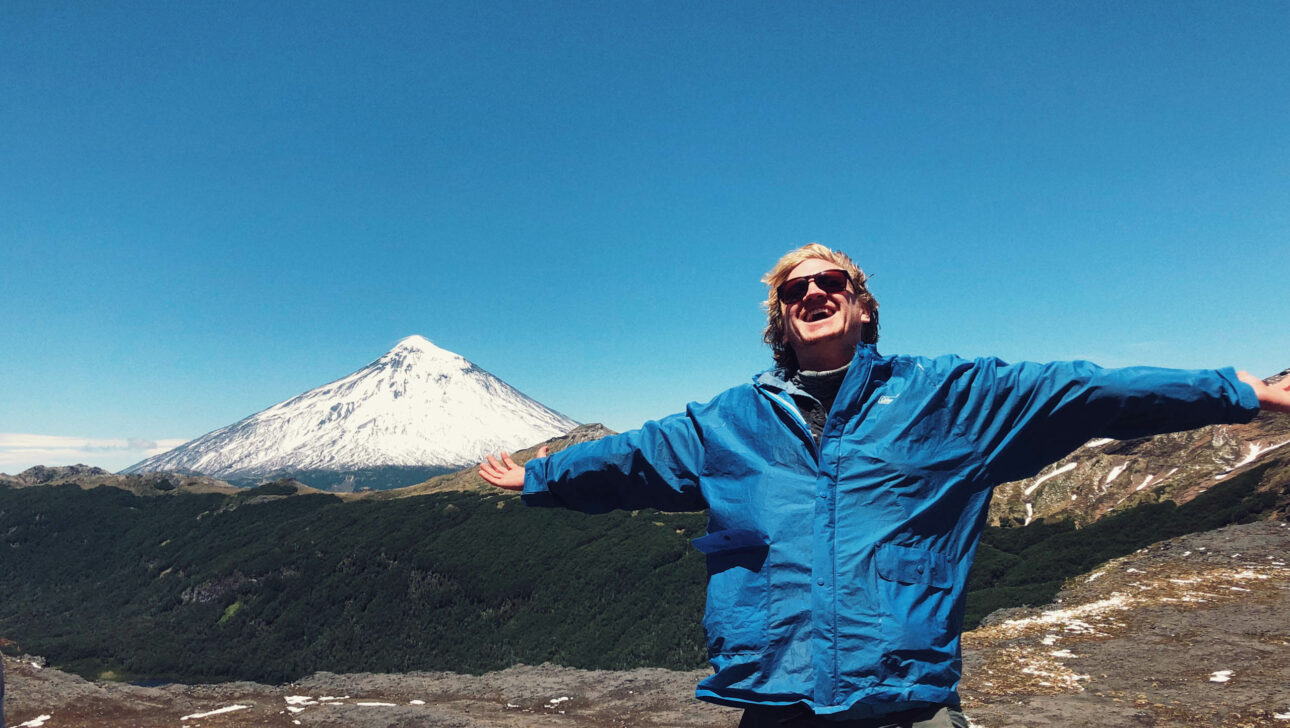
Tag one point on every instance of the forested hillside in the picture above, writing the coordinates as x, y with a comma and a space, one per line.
270, 586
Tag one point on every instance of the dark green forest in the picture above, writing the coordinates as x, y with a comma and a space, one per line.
269, 587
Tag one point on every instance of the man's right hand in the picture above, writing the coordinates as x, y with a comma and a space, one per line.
502, 472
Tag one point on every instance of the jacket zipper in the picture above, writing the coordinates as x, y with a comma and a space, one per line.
803, 428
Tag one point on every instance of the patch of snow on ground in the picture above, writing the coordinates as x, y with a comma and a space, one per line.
300, 700
378, 705
1030, 514
35, 722
1281, 716
1061, 653
1070, 618
1115, 473
1221, 676
416, 702
1252, 453
1099, 442
1144, 483
1040, 480
217, 711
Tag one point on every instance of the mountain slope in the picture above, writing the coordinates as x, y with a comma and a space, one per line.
416, 406
1106, 476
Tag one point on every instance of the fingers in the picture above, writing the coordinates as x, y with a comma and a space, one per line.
492, 465
504, 472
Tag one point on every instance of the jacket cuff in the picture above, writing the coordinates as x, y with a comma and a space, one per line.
1246, 399
535, 491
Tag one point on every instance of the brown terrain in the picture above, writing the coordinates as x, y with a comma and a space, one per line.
1190, 632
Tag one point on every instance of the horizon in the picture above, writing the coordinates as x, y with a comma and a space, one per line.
212, 208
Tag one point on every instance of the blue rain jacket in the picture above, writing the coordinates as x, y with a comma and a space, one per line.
836, 572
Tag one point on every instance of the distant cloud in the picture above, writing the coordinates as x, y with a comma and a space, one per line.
19, 451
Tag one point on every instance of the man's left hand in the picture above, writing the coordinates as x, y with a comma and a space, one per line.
1274, 398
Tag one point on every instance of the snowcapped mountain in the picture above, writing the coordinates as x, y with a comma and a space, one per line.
418, 406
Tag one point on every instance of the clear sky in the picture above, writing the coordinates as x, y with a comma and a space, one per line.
210, 207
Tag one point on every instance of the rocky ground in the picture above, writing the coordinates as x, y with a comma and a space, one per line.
1192, 632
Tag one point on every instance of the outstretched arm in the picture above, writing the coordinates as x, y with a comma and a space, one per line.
502, 471
1273, 398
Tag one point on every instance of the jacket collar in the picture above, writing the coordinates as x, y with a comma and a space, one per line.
780, 380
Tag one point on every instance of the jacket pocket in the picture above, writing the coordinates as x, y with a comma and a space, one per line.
917, 592
734, 618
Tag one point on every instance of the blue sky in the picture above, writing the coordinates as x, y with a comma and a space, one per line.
209, 207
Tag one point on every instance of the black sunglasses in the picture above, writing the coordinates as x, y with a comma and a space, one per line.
829, 281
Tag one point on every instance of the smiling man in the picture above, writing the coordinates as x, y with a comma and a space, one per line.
846, 492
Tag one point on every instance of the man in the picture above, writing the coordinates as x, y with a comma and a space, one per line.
847, 491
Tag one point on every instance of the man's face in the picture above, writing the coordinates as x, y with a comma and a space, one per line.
823, 328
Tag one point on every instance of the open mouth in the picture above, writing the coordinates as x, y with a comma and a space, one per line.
818, 314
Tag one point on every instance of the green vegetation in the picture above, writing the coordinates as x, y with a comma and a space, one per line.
208, 588
271, 587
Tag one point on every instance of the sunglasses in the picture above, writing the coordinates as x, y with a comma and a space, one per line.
830, 281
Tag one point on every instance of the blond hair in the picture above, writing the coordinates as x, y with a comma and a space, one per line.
775, 333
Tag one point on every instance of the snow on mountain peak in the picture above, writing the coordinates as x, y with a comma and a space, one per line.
416, 342
417, 405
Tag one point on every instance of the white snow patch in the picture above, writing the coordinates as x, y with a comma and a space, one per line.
36, 666
297, 709
1221, 676
1040, 480
217, 711
1069, 618
1144, 483
1099, 442
1252, 453
1281, 716
300, 700
378, 705
1030, 514
325, 698
557, 701
416, 702
1049, 639
35, 722
1062, 653
1115, 473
